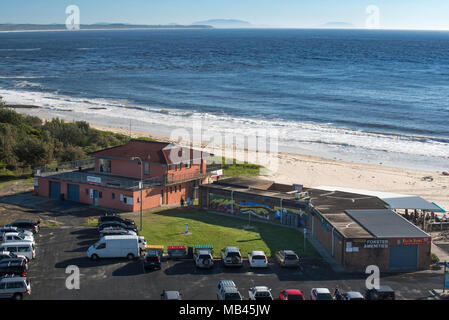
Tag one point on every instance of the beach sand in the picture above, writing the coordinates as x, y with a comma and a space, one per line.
312, 171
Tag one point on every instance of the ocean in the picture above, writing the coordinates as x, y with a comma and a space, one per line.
368, 96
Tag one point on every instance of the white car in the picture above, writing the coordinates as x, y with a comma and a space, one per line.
320, 294
14, 287
17, 237
260, 293
258, 259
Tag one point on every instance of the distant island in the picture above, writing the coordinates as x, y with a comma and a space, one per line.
224, 23
96, 26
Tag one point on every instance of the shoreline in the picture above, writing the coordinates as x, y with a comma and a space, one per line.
313, 171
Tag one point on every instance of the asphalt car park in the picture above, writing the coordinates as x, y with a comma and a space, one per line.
60, 247
64, 245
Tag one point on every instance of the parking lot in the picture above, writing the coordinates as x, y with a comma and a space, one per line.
60, 247
65, 244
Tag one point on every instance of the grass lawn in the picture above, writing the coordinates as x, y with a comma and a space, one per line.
166, 227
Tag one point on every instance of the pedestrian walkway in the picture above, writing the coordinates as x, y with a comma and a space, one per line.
337, 267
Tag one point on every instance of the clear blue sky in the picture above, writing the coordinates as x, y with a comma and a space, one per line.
406, 14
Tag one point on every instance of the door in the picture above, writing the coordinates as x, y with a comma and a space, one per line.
404, 257
55, 190
162, 196
95, 197
73, 192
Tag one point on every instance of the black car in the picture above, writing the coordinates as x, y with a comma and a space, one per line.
115, 218
152, 262
26, 225
10, 256
117, 224
382, 293
18, 268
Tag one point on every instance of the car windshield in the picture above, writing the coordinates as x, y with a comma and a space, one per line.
294, 297
290, 257
259, 257
233, 296
324, 296
233, 254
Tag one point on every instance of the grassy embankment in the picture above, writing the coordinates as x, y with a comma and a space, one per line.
165, 227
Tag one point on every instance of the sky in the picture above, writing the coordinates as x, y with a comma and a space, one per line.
392, 14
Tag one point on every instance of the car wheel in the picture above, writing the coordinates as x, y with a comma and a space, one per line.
17, 296
94, 257
130, 256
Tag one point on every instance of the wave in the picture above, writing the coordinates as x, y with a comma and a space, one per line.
21, 49
290, 133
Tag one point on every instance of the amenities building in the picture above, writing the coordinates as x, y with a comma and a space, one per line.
358, 228
113, 177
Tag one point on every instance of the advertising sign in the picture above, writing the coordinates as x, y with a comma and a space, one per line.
375, 244
412, 241
91, 179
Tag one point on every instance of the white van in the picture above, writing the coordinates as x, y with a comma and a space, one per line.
17, 237
20, 248
122, 246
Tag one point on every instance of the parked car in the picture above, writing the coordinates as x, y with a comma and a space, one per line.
117, 224
287, 258
15, 229
18, 268
257, 259
114, 217
14, 287
171, 295
22, 248
352, 295
203, 259
291, 294
9, 256
152, 260
320, 294
16, 237
227, 290
382, 293
231, 257
30, 225
125, 246
116, 230
260, 293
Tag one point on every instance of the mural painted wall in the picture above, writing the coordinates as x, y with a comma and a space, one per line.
221, 204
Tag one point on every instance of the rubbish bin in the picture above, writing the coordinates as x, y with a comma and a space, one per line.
190, 252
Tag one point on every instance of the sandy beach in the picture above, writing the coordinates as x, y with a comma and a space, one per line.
315, 171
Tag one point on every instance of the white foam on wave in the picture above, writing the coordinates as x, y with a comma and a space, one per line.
295, 134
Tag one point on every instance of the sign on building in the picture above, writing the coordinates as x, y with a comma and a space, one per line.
412, 241
91, 179
375, 244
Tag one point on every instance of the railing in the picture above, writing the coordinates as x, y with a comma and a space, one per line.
183, 177
65, 167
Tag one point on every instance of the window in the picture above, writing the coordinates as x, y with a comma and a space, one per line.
2, 286
105, 165
146, 168
101, 246
87, 192
113, 196
175, 189
100, 194
24, 249
188, 165
171, 190
179, 188
175, 167
11, 249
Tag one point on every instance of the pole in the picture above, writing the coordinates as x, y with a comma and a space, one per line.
141, 191
444, 278
305, 232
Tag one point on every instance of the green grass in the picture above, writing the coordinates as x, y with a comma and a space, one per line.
234, 168
166, 228
7, 176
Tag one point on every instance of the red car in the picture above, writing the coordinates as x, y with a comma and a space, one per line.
291, 294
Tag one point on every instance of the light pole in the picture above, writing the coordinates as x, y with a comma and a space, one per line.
140, 187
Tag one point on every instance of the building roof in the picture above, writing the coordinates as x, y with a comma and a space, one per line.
386, 224
246, 182
393, 200
152, 151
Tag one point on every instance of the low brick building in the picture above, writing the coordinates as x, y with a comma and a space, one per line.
356, 229
111, 177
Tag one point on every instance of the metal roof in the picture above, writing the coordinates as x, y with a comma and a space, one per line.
386, 224
393, 200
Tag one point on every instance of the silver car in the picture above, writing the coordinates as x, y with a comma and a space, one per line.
14, 287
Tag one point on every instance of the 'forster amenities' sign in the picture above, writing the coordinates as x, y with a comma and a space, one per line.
376, 244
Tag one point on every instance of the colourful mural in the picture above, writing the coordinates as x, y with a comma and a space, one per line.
258, 210
221, 204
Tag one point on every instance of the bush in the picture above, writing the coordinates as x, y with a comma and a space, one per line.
434, 258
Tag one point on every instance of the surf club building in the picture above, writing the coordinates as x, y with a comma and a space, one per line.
112, 177
356, 228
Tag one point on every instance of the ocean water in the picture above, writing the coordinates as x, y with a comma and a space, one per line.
359, 95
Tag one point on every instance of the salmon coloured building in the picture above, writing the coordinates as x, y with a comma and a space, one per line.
111, 178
